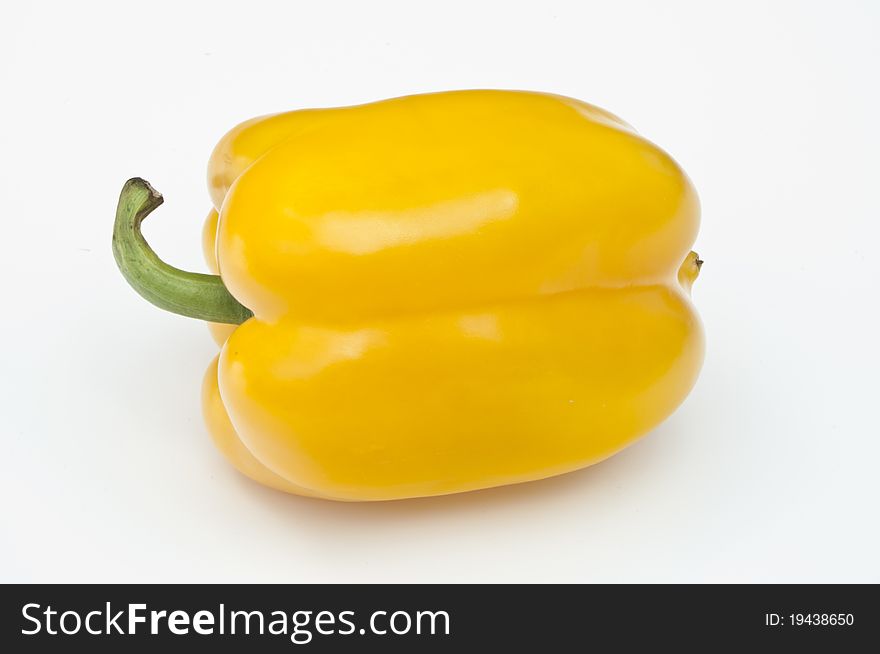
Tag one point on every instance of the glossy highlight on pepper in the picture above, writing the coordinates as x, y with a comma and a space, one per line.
450, 291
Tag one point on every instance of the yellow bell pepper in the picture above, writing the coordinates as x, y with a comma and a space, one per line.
449, 292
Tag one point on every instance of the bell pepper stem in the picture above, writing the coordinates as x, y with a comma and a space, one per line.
195, 295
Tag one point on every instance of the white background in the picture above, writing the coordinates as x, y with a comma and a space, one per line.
768, 472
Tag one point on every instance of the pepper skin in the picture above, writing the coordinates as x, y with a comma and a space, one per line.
450, 292
219, 331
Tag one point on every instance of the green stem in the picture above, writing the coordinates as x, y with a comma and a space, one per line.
195, 295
